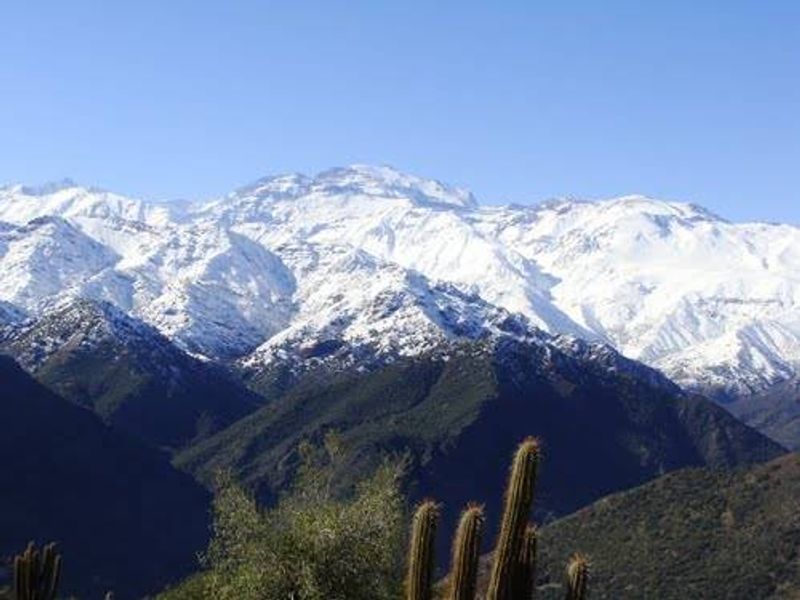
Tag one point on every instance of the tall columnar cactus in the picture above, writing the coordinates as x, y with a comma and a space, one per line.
466, 554
524, 574
518, 500
36, 575
513, 575
419, 577
577, 577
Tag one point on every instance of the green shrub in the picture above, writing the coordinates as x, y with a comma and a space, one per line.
312, 545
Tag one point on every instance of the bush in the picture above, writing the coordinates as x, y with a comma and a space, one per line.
312, 545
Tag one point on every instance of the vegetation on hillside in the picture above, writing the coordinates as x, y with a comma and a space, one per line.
460, 418
329, 537
313, 545
775, 412
694, 533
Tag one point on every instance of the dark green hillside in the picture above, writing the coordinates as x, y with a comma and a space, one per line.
694, 533
129, 374
411, 405
460, 419
123, 517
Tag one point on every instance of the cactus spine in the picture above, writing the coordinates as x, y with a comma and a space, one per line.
36, 576
524, 575
577, 577
419, 578
519, 496
466, 554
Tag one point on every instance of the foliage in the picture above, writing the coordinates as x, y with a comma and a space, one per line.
313, 545
695, 533
459, 420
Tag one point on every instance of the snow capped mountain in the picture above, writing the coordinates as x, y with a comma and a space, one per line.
85, 324
20, 203
352, 300
48, 258
359, 181
373, 259
707, 301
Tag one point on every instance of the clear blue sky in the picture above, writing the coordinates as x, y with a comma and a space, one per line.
518, 101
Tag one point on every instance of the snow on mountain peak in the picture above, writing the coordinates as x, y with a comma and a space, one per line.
51, 187
386, 181
639, 204
362, 181
20, 204
373, 257
630, 206
275, 187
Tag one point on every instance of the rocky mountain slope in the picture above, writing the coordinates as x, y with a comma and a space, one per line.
380, 263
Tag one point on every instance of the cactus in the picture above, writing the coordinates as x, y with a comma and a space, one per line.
519, 497
524, 574
466, 553
577, 577
513, 575
419, 578
36, 576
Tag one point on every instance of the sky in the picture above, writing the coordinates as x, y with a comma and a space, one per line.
519, 101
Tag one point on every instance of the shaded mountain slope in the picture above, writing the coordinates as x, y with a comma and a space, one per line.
775, 411
129, 374
123, 517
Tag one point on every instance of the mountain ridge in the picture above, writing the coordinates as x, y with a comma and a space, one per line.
715, 305
130, 375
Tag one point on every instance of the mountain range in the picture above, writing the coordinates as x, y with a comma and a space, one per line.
364, 264
397, 311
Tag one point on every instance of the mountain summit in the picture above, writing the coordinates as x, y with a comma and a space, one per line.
363, 181
382, 262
